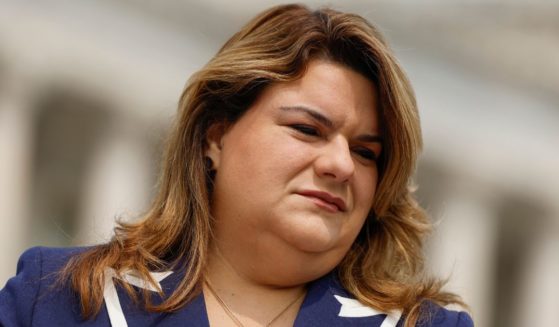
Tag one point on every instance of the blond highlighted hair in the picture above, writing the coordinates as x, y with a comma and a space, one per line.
384, 268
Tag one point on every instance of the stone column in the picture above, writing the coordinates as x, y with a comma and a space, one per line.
118, 183
16, 131
463, 249
538, 300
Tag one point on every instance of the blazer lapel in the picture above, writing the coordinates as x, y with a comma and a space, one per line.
328, 304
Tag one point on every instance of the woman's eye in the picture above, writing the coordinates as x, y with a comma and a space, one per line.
366, 154
306, 129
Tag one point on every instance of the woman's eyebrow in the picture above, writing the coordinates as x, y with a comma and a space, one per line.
367, 138
370, 138
315, 115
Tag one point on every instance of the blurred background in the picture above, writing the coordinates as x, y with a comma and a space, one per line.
88, 90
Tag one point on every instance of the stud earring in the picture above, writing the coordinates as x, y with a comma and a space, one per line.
208, 162
210, 173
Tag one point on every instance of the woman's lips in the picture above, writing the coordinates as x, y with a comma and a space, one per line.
325, 200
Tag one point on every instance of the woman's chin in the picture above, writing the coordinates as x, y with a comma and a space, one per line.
311, 239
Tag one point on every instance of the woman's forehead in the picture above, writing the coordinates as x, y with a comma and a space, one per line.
333, 90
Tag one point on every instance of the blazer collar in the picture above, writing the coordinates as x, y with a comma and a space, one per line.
327, 303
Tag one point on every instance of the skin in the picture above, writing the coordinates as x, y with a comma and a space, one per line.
319, 133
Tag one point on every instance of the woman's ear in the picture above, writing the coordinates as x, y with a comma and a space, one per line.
214, 143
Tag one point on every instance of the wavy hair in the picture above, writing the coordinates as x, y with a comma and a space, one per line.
384, 268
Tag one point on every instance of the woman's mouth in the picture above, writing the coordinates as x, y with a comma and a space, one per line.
325, 200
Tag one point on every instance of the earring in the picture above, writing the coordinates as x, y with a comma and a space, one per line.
210, 173
208, 162
210, 169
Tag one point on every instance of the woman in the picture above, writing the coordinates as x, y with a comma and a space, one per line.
284, 198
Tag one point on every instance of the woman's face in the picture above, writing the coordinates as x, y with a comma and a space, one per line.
296, 174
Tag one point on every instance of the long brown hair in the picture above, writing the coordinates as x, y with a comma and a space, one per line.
383, 268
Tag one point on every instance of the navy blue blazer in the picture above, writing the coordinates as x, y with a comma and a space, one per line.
31, 298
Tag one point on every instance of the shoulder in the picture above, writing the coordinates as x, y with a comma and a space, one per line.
39, 264
337, 307
44, 259
36, 273
434, 315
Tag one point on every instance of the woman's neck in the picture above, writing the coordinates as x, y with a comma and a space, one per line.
250, 301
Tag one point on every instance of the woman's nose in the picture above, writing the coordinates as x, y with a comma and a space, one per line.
335, 160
